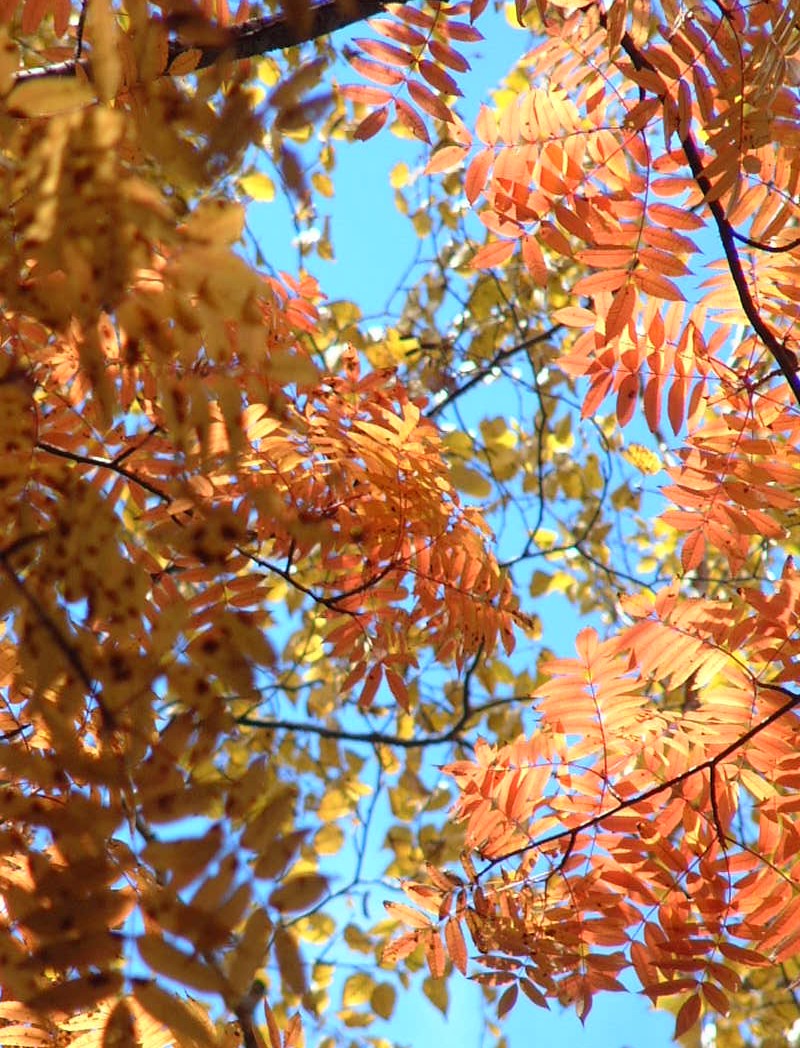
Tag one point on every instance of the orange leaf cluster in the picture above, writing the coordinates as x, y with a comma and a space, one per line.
418, 53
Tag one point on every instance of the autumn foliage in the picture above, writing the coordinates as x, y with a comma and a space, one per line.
265, 568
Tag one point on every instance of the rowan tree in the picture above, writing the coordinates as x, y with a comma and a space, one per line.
266, 565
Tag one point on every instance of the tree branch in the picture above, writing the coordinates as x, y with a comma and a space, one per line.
710, 765
255, 37
728, 236
378, 738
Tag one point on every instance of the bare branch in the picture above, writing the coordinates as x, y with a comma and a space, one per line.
258, 36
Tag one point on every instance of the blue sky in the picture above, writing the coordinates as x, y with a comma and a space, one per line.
373, 246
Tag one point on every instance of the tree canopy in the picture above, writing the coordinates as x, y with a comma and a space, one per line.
288, 720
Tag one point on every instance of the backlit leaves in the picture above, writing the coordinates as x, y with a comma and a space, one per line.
248, 573
417, 53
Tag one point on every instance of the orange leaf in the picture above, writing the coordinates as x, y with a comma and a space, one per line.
621, 310
493, 254
401, 912
294, 1031
673, 217
533, 258
445, 159
477, 173
486, 126
693, 550
398, 949
435, 955
610, 280
456, 946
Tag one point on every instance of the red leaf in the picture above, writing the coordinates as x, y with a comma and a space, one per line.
716, 998
438, 78
373, 678
389, 53
411, 119
399, 31
371, 96
507, 1001
427, 100
448, 56
688, 1015
676, 402
463, 32
376, 72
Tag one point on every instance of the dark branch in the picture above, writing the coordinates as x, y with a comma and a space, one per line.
255, 37
710, 764
500, 357
113, 464
783, 356
469, 713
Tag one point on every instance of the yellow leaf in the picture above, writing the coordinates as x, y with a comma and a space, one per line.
319, 927
106, 64
50, 96
400, 176
357, 989
248, 956
278, 854
382, 1000
171, 962
174, 1013
9, 62
77, 994
358, 940
334, 805
290, 963
436, 992
216, 221
470, 481
299, 893
258, 186
286, 368
645, 460
323, 184
329, 840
